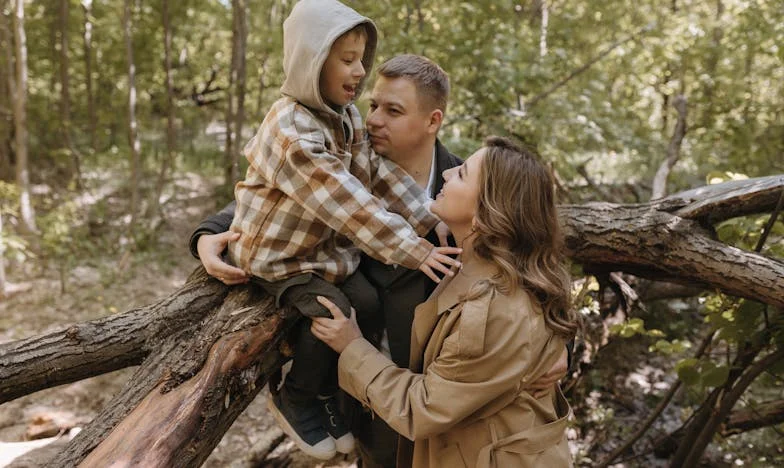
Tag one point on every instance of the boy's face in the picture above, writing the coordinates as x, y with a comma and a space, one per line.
343, 70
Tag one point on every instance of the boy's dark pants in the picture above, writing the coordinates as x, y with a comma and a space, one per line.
314, 370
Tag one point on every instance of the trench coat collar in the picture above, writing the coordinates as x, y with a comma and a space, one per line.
444, 298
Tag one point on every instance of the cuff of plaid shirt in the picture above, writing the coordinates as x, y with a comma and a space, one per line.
412, 254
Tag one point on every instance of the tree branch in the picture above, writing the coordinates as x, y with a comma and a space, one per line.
535, 100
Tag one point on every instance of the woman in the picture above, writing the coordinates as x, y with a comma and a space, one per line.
498, 324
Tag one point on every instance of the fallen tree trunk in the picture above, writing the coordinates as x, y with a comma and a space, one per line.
207, 350
748, 419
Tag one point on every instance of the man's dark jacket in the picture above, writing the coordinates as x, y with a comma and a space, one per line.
399, 289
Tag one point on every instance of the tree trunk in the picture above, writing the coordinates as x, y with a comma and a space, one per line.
133, 137
2, 256
235, 106
208, 349
18, 85
6, 112
754, 417
87, 6
171, 135
239, 117
673, 149
65, 95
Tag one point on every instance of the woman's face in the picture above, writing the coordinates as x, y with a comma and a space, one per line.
457, 201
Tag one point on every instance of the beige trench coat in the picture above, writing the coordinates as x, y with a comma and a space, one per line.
462, 401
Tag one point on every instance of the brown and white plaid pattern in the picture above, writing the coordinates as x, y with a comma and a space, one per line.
310, 200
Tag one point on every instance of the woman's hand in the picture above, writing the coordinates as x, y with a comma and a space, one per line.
337, 332
210, 247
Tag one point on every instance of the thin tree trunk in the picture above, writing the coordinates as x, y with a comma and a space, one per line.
18, 86
725, 406
3, 288
232, 108
133, 137
87, 6
239, 118
65, 94
543, 28
673, 149
6, 112
171, 135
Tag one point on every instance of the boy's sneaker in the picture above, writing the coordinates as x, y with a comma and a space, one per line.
303, 423
335, 425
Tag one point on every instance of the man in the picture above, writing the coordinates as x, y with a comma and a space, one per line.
407, 108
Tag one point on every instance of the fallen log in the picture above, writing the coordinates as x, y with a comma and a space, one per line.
207, 350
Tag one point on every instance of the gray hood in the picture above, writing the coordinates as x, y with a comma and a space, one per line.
308, 34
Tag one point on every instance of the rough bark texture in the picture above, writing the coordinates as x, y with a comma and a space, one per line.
747, 419
210, 348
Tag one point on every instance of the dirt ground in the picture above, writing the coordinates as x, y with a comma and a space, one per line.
105, 284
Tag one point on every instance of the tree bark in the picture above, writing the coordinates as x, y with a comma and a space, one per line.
133, 136
171, 135
18, 85
756, 417
673, 149
6, 97
210, 348
235, 108
87, 6
65, 95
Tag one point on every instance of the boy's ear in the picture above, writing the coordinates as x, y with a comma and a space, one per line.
436, 119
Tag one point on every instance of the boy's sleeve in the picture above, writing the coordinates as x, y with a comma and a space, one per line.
320, 183
401, 193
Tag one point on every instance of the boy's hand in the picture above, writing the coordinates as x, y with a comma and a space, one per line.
442, 231
439, 260
210, 247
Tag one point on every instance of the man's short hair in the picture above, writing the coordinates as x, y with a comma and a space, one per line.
430, 80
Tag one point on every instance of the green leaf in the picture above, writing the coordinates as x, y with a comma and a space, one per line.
715, 376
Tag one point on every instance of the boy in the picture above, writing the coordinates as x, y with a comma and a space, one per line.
306, 201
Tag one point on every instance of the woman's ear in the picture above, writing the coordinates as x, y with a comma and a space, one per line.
473, 223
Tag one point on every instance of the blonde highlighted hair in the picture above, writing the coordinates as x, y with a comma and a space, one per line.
517, 228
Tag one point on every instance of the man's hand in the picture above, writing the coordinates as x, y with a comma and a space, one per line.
337, 332
544, 384
439, 260
210, 247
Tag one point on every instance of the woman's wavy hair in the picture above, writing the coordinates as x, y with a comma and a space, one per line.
517, 228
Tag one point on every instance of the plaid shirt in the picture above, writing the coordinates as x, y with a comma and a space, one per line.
306, 203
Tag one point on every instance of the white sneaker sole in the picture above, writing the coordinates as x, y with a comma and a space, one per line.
345, 443
323, 450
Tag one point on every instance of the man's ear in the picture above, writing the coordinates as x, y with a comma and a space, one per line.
436, 119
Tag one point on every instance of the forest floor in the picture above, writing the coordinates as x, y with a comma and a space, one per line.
109, 281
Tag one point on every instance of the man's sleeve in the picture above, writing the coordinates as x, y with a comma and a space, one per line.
402, 194
320, 183
215, 224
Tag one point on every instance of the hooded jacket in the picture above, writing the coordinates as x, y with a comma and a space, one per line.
314, 190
